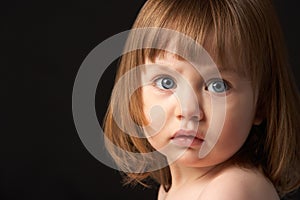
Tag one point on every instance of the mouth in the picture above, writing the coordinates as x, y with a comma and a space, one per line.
187, 138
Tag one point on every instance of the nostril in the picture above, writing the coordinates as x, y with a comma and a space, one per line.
180, 117
196, 118
192, 113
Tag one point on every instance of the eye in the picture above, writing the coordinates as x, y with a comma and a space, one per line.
217, 86
165, 83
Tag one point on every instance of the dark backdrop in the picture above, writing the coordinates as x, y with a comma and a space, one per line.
43, 45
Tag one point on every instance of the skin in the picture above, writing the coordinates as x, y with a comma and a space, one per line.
193, 102
230, 184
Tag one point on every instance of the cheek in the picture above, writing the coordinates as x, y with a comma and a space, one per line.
229, 127
159, 110
151, 108
235, 132
237, 125
156, 115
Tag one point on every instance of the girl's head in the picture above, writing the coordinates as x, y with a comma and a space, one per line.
242, 37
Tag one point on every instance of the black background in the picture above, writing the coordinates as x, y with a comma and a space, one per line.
43, 45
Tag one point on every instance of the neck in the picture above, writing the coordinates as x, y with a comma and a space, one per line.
183, 175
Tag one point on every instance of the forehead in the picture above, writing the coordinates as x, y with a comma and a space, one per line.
199, 53
204, 65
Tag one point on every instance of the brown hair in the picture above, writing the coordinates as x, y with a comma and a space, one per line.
248, 31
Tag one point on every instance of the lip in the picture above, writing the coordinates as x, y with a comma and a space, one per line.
187, 138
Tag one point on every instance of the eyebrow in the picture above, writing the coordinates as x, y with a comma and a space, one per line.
221, 69
227, 70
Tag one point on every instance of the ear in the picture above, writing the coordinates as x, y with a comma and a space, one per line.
258, 118
257, 121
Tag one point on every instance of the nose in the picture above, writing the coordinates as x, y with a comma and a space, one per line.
188, 106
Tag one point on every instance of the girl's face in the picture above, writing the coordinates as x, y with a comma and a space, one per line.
197, 120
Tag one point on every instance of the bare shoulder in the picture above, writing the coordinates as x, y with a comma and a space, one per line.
240, 184
161, 193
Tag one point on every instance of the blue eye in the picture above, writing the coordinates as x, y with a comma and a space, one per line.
165, 83
217, 86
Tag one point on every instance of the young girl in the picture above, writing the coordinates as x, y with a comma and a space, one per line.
214, 123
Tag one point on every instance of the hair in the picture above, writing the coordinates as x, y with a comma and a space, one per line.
247, 31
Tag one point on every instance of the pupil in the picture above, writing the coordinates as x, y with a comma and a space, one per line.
167, 83
218, 86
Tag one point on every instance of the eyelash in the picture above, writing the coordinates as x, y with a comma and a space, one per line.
157, 83
224, 82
